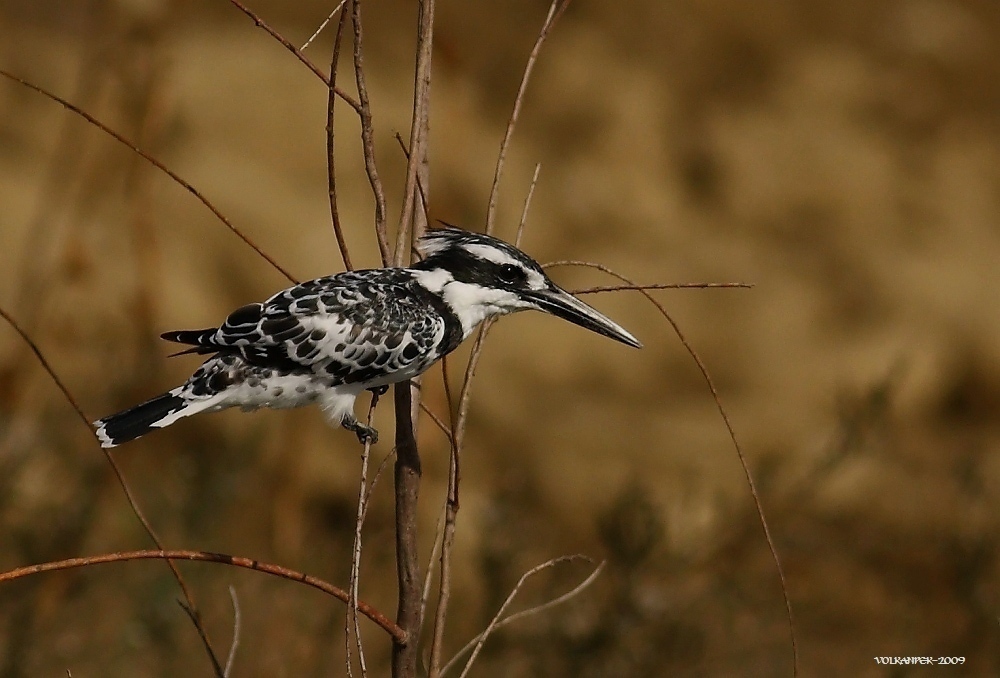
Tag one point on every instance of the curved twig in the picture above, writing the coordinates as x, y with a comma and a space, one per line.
732, 436
398, 634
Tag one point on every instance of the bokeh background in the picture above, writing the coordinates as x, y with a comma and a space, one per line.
841, 155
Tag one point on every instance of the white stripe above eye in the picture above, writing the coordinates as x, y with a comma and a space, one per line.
489, 253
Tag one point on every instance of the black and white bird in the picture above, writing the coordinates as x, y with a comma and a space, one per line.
326, 340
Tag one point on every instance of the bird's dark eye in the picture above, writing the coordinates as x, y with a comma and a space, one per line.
509, 273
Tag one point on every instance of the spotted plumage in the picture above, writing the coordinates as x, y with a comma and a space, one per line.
326, 340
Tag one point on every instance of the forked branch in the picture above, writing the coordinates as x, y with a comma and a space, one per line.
260, 23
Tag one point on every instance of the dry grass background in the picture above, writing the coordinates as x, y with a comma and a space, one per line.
844, 156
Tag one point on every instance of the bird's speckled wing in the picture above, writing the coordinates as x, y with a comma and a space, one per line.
360, 326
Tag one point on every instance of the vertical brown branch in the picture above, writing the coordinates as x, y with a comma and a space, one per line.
405, 657
331, 167
407, 490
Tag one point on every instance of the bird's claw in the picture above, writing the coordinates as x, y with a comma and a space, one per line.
367, 434
364, 433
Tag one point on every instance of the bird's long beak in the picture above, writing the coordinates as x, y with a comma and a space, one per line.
564, 305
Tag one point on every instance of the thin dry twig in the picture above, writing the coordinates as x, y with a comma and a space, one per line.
260, 23
437, 421
157, 164
527, 205
398, 634
368, 135
237, 619
452, 504
454, 475
417, 156
351, 620
192, 614
320, 30
425, 593
497, 623
420, 188
663, 286
555, 11
331, 165
378, 474
190, 606
732, 436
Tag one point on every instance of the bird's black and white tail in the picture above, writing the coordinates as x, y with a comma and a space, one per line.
160, 412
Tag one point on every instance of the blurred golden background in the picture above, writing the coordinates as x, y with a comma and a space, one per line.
841, 155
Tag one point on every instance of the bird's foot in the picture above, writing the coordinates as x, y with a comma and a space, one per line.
377, 393
364, 433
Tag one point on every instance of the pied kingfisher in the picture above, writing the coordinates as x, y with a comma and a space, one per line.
327, 340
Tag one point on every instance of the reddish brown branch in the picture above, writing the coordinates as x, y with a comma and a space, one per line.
398, 634
260, 23
156, 163
192, 608
732, 436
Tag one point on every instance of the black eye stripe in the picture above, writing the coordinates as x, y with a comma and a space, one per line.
467, 268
